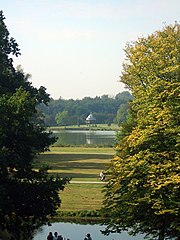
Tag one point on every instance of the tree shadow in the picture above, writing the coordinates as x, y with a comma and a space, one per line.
70, 162
76, 175
73, 157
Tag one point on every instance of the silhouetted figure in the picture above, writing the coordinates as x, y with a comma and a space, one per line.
60, 237
50, 236
88, 236
55, 237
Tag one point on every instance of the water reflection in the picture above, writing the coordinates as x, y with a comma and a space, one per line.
75, 231
81, 137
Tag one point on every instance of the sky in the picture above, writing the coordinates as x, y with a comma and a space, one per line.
75, 48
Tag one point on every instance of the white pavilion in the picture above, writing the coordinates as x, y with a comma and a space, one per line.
90, 119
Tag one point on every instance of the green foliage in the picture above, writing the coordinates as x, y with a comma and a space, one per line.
27, 197
80, 214
122, 113
62, 118
104, 108
144, 188
81, 217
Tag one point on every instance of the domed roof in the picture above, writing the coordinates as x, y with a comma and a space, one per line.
90, 118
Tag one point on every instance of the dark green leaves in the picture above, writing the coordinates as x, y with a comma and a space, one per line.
28, 197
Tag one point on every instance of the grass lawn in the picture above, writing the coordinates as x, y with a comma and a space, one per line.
84, 196
80, 164
77, 150
113, 127
76, 162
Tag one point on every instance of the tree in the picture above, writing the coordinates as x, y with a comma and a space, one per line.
104, 107
28, 197
62, 118
143, 191
122, 113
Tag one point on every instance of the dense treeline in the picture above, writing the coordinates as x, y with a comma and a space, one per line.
106, 109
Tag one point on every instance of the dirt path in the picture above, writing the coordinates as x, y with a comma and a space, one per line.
93, 182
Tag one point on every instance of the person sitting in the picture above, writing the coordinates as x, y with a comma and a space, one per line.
55, 237
88, 236
60, 237
101, 176
50, 236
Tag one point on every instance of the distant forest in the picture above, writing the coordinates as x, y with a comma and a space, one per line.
106, 109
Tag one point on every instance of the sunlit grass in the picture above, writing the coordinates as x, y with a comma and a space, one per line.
79, 164
84, 196
113, 127
76, 162
77, 150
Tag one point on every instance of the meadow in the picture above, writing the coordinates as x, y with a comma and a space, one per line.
82, 165
95, 127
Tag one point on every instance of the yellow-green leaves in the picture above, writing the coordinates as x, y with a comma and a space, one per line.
145, 174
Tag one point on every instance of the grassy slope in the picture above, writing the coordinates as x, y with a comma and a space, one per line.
77, 163
80, 164
82, 196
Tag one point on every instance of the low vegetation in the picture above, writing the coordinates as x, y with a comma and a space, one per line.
83, 196
99, 127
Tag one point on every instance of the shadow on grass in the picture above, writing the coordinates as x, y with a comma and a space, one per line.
73, 157
76, 175
73, 161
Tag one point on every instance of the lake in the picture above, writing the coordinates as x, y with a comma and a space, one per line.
75, 231
84, 137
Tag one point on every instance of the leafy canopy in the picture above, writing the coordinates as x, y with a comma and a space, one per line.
62, 118
28, 197
143, 192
